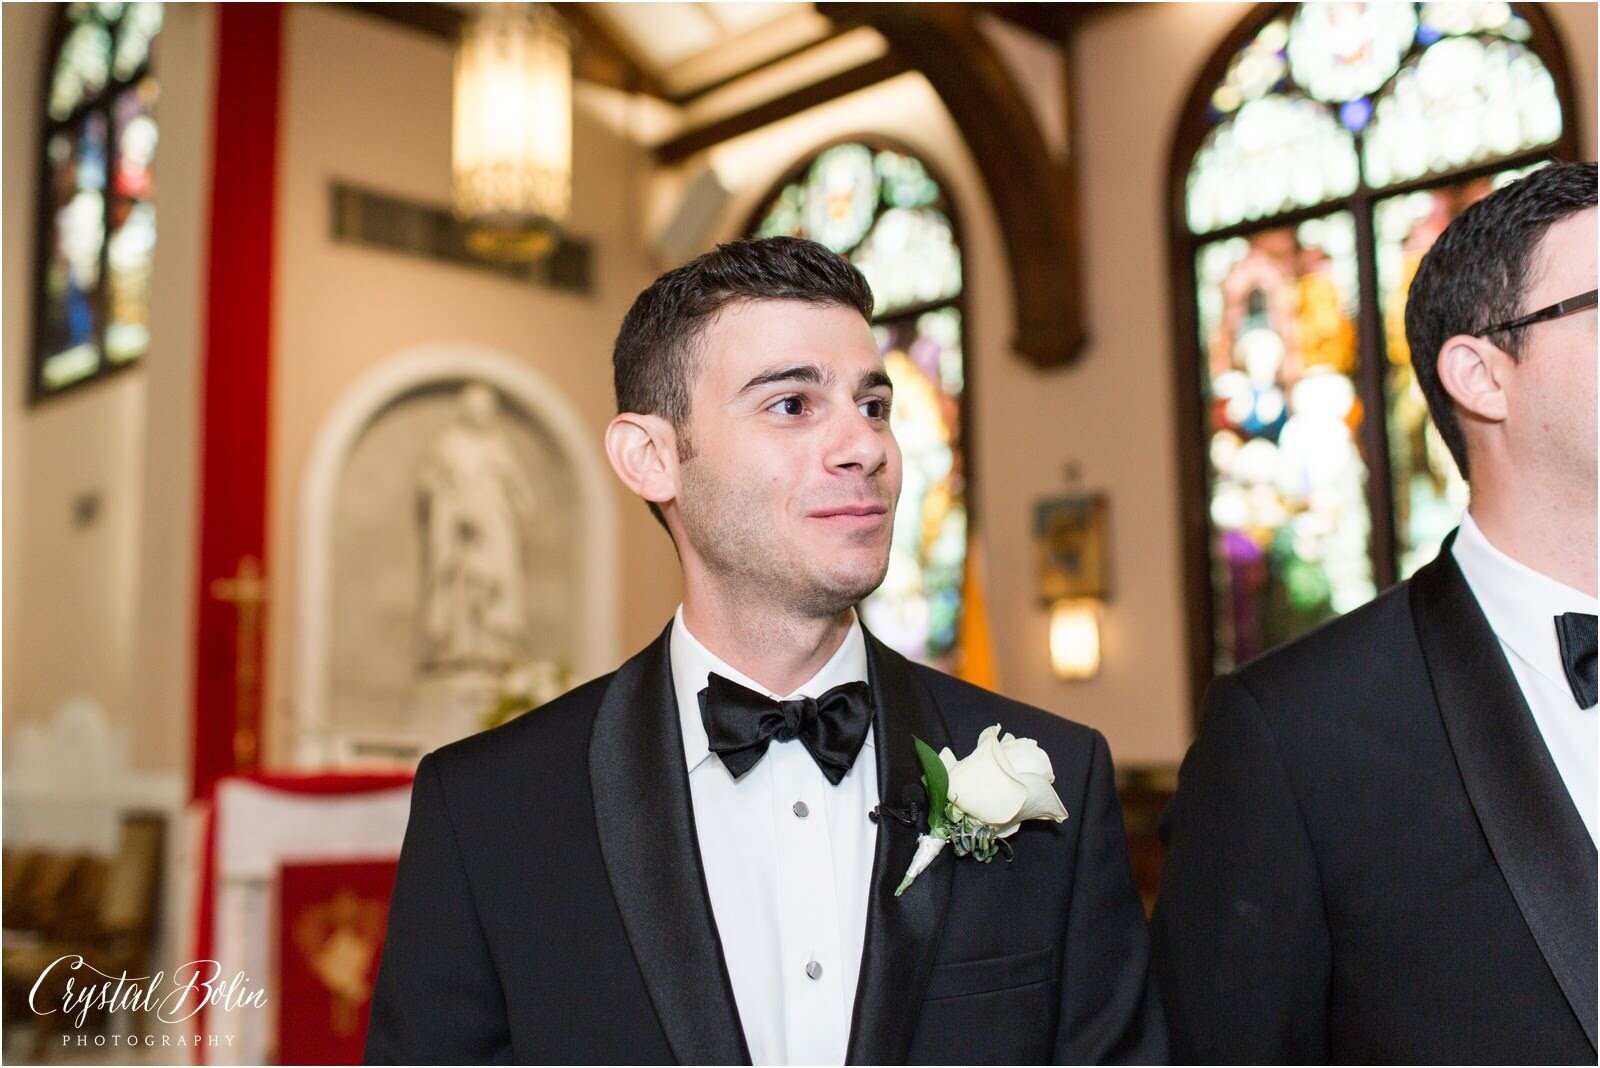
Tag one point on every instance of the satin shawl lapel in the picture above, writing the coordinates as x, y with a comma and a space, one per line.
1527, 815
902, 933
645, 820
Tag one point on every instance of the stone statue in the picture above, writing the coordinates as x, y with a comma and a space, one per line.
475, 506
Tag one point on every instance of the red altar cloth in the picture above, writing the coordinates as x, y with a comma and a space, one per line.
331, 920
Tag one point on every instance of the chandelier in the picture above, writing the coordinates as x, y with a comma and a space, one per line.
511, 158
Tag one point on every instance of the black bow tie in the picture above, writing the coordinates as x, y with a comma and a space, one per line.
1576, 632
740, 724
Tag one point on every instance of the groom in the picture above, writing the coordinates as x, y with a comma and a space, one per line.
694, 859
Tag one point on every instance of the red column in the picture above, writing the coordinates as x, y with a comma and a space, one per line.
236, 373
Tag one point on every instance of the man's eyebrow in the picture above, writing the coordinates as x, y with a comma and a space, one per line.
799, 372
874, 379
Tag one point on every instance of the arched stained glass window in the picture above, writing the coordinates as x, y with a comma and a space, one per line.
97, 216
1323, 150
879, 205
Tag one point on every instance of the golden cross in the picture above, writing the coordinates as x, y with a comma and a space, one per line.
248, 594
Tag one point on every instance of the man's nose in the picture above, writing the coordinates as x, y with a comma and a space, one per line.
858, 444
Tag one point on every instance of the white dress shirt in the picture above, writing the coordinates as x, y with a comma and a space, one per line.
788, 860
1521, 606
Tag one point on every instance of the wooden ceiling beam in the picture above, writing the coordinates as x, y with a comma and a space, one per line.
607, 52
689, 96
1035, 196
861, 76
435, 20
1057, 22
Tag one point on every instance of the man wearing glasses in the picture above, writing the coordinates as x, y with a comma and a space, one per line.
1382, 847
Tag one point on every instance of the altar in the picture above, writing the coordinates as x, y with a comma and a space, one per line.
296, 876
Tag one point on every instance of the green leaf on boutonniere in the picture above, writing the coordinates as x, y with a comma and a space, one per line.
936, 779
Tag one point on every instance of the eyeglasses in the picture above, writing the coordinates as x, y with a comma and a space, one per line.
1554, 311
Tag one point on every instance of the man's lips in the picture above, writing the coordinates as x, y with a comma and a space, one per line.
859, 518
854, 510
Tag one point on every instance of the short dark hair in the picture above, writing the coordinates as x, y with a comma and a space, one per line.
653, 361
1477, 274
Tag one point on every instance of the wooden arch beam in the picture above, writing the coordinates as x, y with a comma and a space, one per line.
1034, 196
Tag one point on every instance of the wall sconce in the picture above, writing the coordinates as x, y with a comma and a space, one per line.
1070, 540
1075, 638
511, 150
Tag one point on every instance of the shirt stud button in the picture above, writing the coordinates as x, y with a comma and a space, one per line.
801, 809
814, 970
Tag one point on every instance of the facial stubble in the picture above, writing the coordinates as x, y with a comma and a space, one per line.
735, 542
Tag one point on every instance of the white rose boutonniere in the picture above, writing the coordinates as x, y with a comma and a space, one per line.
976, 803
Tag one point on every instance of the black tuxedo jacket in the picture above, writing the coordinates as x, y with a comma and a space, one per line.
1372, 857
551, 906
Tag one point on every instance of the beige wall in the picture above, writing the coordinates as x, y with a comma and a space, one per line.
163, 675
103, 610
22, 33
369, 103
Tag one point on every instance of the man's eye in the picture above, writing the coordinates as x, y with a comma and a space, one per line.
790, 406
875, 408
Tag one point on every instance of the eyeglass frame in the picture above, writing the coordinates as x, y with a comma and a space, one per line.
1554, 311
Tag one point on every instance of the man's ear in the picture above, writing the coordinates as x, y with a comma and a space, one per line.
1473, 371
643, 450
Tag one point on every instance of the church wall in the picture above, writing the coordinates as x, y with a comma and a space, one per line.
162, 682
1132, 73
24, 27
369, 104
102, 608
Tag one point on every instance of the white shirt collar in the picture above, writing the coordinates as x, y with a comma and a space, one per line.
692, 662
1520, 603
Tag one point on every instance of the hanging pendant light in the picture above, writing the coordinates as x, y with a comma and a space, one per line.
512, 146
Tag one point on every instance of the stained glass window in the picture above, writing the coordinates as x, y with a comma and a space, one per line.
1337, 142
98, 218
879, 205
1461, 101
1273, 154
1288, 503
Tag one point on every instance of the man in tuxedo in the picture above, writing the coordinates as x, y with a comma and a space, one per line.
695, 858
1382, 845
